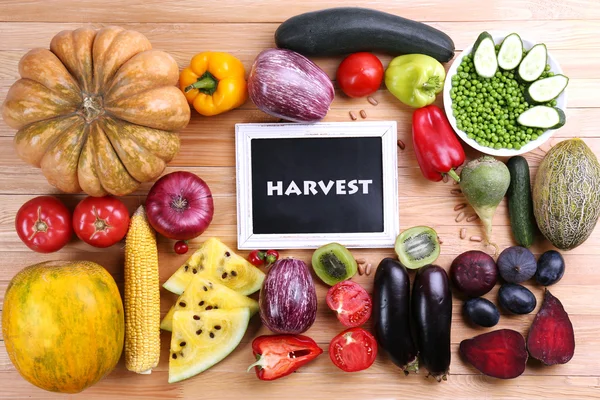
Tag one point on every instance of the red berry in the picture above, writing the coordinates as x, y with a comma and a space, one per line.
181, 247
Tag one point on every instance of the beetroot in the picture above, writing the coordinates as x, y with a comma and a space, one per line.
551, 338
474, 273
499, 354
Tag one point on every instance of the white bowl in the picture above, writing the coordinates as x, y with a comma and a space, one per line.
561, 102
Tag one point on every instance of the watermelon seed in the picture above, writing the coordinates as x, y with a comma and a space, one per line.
182, 304
224, 275
182, 344
208, 308
196, 317
199, 331
217, 327
233, 273
212, 335
216, 307
194, 271
205, 288
174, 356
186, 268
201, 303
227, 254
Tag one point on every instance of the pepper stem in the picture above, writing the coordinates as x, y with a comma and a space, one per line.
452, 174
207, 84
258, 363
433, 84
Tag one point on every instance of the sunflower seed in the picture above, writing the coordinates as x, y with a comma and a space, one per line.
372, 100
460, 206
475, 239
461, 215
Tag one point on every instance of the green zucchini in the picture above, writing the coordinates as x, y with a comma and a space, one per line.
345, 30
484, 56
533, 64
511, 52
542, 117
520, 202
544, 90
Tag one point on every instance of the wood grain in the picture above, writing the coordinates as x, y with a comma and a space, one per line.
570, 29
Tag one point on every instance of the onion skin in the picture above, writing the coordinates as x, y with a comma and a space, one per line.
288, 299
191, 194
288, 85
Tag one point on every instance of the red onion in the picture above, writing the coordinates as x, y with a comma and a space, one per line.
288, 85
180, 206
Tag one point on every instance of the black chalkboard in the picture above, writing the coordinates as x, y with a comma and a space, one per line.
317, 185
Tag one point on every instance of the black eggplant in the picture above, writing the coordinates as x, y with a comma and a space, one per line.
391, 313
432, 314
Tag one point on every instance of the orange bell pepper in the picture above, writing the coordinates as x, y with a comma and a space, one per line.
214, 83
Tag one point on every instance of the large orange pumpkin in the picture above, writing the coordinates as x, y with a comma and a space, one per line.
63, 324
97, 112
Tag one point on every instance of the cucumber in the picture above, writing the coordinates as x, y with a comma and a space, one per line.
533, 63
511, 52
542, 117
544, 90
520, 202
345, 30
484, 55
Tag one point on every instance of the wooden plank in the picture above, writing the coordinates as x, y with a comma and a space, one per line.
304, 385
186, 37
215, 11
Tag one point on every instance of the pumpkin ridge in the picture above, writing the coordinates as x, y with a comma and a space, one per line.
147, 166
111, 172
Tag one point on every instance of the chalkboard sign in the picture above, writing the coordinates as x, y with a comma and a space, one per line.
304, 185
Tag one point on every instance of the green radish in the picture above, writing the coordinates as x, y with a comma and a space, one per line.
484, 183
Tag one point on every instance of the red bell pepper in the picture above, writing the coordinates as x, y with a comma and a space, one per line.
280, 355
436, 145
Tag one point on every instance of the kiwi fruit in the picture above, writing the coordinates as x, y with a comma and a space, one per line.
417, 246
333, 263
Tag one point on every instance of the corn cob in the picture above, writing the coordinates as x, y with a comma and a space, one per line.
142, 296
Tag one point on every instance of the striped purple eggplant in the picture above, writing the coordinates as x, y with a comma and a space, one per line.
288, 85
288, 299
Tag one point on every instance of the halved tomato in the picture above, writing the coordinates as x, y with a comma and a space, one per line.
353, 350
351, 302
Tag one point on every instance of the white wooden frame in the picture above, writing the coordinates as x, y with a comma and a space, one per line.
247, 239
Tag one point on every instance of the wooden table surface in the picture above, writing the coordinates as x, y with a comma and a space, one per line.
570, 28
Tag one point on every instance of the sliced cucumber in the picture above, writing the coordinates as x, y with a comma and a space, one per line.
533, 63
511, 52
546, 89
542, 117
484, 56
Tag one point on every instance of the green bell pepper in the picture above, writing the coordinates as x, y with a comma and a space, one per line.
415, 79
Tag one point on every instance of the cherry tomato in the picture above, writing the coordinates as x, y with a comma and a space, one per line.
353, 350
256, 258
360, 74
271, 256
101, 221
181, 247
44, 224
351, 302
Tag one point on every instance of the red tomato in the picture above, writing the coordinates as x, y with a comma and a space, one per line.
44, 224
181, 247
353, 350
360, 74
101, 221
351, 302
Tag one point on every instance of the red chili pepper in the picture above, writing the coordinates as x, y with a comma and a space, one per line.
280, 355
436, 145
256, 258
271, 256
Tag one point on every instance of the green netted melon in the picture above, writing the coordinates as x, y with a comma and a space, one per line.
566, 194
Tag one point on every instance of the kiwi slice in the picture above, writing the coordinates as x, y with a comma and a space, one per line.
333, 263
417, 247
